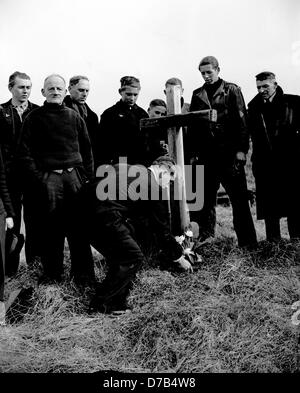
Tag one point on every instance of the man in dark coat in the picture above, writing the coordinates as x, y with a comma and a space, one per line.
222, 149
274, 121
119, 130
79, 88
12, 115
116, 203
56, 156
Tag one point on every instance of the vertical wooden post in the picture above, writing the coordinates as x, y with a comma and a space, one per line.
175, 141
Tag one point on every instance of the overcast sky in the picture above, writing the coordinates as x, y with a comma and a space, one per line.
150, 39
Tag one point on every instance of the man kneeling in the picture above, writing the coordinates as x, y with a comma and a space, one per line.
119, 199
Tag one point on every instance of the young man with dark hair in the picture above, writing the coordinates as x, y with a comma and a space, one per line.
119, 130
79, 88
156, 140
56, 157
177, 82
274, 122
12, 115
116, 204
157, 108
222, 150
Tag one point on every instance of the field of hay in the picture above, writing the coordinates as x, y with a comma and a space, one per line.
232, 315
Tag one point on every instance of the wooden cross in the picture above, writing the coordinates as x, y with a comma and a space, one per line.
173, 122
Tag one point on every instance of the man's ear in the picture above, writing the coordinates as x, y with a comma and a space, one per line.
43, 92
69, 88
120, 91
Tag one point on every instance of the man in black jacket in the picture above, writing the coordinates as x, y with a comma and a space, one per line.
56, 157
79, 88
274, 122
222, 149
12, 115
116, 204
119, 130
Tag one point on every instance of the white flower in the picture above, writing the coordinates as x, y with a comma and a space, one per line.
295, 305
295, 319
189, 233
188, 251
179, 239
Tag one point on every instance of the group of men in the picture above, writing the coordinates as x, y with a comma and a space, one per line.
58, 157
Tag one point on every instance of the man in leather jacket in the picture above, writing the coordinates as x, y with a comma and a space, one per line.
222, 149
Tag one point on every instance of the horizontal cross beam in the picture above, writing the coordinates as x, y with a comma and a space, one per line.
179, 120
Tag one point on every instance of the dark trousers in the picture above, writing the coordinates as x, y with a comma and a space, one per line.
113, 236
272, 225
60, 222
32, 214
13, 260
2, 255
30, 202
235, 184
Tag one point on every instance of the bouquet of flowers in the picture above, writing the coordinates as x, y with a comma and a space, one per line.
187, 243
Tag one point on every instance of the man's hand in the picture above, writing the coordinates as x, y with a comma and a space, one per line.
194, 160
184, 264
9, 223
240, 158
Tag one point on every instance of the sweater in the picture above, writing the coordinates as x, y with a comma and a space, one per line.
54, 137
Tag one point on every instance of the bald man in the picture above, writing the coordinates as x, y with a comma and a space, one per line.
56, 157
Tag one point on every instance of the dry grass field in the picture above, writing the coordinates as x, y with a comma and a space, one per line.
232, 315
